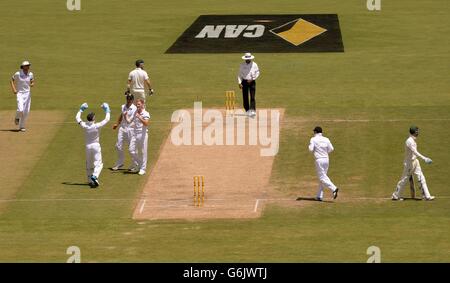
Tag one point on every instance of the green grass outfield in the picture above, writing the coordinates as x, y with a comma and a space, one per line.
395, 67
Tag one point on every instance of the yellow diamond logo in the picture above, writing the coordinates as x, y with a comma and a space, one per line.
298, 31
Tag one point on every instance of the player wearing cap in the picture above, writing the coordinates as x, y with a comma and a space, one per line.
411, 166
138, 79
94, 163
321, 146
124, 134
248, 73
21, 83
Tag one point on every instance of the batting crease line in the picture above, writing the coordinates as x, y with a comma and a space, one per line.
294, 122
186, 200
142, 206
256, 206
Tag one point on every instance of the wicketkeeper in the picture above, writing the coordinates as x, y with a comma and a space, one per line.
411, 166
94, 164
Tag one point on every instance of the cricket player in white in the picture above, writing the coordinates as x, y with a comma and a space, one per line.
124, 134
21, 84
321, 146
94, 164
138, 79
139, 141
412, 166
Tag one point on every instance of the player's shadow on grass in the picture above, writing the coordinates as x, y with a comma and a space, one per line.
76, 184
310, 199
416, 199
10, 130
121, 170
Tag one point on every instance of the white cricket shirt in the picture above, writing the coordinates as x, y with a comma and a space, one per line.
137, 124
137, 78
92, 130
130, 113
411, 152
320, 146
23, 80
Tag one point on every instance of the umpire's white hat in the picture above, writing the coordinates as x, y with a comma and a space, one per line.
248, 56
25, 63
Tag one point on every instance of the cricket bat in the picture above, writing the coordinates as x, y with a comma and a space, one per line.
412, 187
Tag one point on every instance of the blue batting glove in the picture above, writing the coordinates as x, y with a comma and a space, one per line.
83, 107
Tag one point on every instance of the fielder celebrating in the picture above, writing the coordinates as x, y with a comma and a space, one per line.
412, 166
248, 73
94, 164
139, 141
21, 84
124, 134
321, 146
137, 80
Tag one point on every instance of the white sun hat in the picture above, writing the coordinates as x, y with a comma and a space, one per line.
25, 63
248, 56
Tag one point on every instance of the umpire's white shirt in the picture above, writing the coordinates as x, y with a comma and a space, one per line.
320, 146
138, 77
248, 72
23, 81
411, 152
92, 130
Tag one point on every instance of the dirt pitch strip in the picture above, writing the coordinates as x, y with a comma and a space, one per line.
236, 179
21, 151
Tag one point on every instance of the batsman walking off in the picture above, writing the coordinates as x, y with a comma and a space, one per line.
137, 80
411, 166
321, 146
248, 73
21, 83
94, 163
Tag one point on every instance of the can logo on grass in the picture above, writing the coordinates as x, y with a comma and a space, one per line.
261, 33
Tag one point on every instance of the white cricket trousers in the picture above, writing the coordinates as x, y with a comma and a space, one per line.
124, 136
322, 165
94, 164
410, 168
138, 149
23, 107
138, 94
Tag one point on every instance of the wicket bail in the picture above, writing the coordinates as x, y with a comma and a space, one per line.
230, 103
199, 190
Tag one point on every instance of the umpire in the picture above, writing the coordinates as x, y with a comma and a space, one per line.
248, 73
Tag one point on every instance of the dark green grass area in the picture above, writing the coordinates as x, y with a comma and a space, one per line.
393, 73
